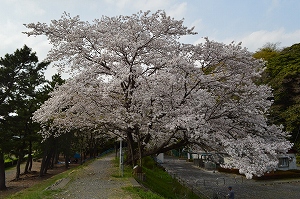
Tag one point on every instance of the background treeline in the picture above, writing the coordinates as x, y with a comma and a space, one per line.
282, 73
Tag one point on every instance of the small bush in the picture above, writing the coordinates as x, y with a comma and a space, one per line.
234, 171
11, 163
279, 175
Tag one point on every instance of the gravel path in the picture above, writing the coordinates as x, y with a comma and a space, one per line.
210, 183
95, 181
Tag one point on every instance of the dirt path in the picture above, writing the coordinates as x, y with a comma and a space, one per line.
95, 181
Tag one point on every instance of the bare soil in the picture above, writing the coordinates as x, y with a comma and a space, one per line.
29, 179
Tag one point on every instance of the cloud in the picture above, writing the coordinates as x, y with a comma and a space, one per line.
24, 8
121, 4
178, 10
152, 5
40, 45
140, 5
256, 40
197, 23
13, 14
272, 7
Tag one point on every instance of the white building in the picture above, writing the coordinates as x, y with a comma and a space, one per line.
287, 161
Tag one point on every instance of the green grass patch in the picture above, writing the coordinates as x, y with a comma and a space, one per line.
142, 193
160, 182
127, 170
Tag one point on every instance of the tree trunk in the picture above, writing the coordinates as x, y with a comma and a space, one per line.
67, 161
140, 153
45, 163
52, 160
56, 158
95, 149
20, 157
18, 166
18, 169
28, 165
137, 131
2, 172
130, 146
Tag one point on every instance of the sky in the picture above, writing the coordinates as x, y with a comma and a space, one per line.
252, 22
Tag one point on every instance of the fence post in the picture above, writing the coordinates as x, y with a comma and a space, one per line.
218, 180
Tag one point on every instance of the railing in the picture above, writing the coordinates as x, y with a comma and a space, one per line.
209, 188
217, 181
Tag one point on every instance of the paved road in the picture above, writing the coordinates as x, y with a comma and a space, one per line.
209, 183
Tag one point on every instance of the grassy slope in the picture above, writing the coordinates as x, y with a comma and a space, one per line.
160, 182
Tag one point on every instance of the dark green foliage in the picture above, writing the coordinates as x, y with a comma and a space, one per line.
284, 78
21, 78
283, 75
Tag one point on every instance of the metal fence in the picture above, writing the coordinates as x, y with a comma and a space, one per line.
208, 187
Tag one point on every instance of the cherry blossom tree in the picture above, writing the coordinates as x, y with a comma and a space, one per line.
132, 78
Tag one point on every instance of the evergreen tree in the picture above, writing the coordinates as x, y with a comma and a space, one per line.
21, 76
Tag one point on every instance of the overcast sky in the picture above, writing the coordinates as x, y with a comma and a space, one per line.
252, 22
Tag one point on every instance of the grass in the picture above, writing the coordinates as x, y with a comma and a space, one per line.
142, 193
158, 184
